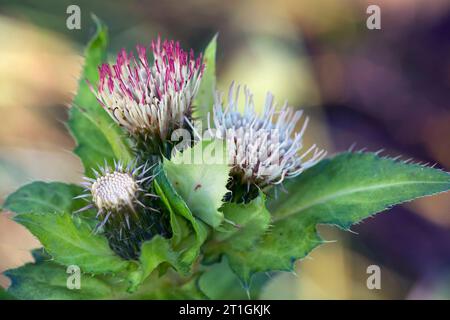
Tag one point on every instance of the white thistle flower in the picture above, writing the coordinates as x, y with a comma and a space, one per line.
151, 100
114, 190
263, 149
117, 193
125, 207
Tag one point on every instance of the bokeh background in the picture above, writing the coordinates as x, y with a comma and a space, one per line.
376, 89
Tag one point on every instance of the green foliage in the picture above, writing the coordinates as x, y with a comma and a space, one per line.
247, 223
39, 197
72, 242
219, 282
170, 286
5, 295
48, 281
340, 191
45, 209
155, 252
186, 240
199, 175
232, 240
97, 135
204, 100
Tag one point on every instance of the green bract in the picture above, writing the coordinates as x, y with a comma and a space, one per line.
213, 244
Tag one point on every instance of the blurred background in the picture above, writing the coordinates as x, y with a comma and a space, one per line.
376, 89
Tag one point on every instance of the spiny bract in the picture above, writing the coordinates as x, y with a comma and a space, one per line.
126, 208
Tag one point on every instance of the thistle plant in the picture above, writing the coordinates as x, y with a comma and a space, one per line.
262, 151
127, 213
151, 100
150, 224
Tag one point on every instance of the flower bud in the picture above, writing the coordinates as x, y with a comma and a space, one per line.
126, 209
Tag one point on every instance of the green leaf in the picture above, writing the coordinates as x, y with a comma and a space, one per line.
45, 209
48, 281
249, 222
5, 295
168, 287
154, 253
39, 197
246, 224
199, 175
219, 282
39, 255
97, 135
341, 191
204, 99
71, 243
184, 241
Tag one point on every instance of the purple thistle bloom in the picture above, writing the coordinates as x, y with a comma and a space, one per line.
151, 100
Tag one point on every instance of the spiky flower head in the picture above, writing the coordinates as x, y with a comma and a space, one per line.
125, 206
114, 190
151, 99
263, 149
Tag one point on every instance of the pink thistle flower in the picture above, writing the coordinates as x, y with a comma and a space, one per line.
151, 100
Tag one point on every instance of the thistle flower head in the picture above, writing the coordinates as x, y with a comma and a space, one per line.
151, 99
263, 149
114, 190
117, 193
126, 208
